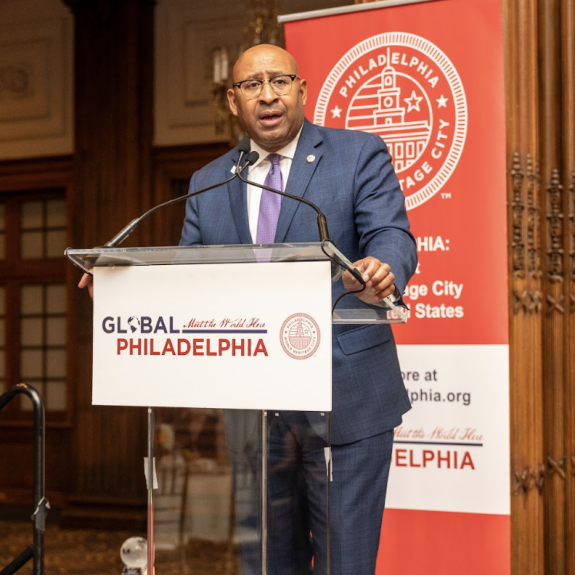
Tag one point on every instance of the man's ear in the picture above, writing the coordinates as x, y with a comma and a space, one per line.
232, 101
303, 90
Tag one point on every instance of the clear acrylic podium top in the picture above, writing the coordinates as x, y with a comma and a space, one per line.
350, 311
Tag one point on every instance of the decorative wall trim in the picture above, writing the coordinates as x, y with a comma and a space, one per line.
555, 268
517, 207
36, 98
556, 466
525, 235
533, 238
572, 239
529, 479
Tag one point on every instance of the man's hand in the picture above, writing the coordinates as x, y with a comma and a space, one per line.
377, 276
88, 282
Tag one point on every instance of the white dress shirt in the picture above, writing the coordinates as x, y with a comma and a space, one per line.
258, 172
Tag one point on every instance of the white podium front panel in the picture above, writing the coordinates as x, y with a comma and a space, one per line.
238, 336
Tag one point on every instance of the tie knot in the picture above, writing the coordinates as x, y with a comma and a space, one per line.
274, 159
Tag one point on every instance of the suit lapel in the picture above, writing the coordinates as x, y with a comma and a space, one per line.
300, 175
239, 204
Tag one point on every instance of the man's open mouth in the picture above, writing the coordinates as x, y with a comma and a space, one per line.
270, 118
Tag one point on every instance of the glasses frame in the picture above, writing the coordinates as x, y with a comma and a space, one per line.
293, 77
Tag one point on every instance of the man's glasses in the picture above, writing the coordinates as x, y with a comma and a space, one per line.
281, 85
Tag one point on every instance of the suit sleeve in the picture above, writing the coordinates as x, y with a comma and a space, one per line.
380, 214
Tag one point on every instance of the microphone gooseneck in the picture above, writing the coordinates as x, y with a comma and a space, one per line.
321, 221
125, 232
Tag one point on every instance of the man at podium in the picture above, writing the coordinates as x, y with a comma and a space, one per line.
349, 175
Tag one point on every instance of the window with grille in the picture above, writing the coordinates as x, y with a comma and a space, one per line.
33, 334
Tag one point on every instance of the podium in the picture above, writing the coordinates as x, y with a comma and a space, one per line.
245, 329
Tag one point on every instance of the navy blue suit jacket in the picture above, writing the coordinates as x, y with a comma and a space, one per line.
352, 181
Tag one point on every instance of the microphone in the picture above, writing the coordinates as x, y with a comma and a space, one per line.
125, 232
244, 148
321, 219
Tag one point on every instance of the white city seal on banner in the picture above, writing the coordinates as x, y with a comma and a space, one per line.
406, 90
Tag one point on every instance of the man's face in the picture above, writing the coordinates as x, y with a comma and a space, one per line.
270, 120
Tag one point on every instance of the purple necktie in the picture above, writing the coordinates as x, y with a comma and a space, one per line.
270, 204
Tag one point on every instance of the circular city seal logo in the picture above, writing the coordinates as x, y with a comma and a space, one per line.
406, 90
300, 336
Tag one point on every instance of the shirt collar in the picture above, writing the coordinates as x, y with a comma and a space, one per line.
286, 152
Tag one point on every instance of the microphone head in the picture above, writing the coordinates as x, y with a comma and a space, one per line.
244, 146
252, 158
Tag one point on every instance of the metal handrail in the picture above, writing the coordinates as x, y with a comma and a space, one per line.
41, 505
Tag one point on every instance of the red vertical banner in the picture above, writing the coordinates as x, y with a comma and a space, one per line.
428, 78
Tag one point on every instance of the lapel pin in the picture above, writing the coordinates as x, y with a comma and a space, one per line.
310, 159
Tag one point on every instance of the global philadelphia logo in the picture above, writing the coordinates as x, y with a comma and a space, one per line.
133, 323
404, 89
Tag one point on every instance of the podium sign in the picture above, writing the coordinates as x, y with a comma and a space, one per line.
238, 336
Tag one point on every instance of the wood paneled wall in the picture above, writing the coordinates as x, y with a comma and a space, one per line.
540, 87
112, 185
117, 176
566, 31
520, 26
